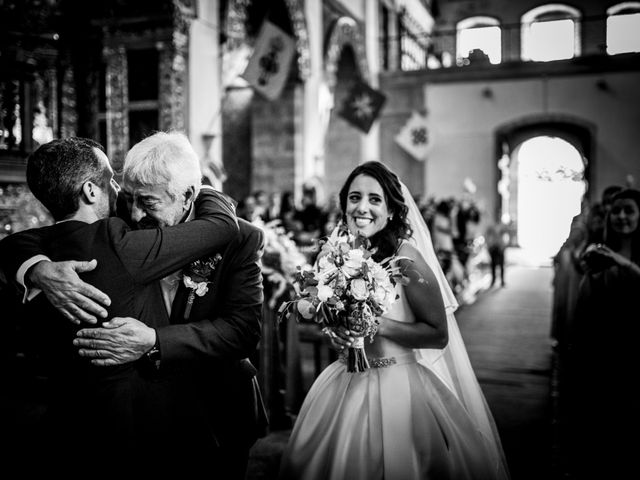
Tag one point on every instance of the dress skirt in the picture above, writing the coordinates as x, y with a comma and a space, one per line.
394, 421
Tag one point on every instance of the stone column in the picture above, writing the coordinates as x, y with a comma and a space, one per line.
117, 100
174, 72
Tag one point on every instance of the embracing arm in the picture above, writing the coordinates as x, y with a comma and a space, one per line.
425, 300
151, 254
23, 257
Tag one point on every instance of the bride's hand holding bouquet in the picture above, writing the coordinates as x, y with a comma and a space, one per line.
346, 292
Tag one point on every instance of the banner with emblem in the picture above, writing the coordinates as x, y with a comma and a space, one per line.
269, 65
362, 106
413, 138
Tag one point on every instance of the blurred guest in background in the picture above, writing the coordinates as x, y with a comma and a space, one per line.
603, 346
309, 218
497, 238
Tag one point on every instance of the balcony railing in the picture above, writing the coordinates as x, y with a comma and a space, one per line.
412, 50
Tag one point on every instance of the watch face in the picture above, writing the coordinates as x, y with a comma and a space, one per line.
153, 356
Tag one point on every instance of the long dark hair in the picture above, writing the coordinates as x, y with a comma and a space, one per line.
612, 238
388, 239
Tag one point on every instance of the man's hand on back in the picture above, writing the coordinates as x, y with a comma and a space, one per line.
120, 340
76, 300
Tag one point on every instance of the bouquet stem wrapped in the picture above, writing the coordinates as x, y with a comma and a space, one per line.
357, 357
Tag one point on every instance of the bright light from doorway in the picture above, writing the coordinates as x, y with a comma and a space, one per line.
550, 189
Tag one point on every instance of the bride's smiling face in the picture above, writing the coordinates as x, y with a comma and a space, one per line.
367, 211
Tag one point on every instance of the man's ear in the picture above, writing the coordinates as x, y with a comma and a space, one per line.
189, 197
89, 192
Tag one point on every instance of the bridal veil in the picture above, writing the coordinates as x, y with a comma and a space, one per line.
452, 364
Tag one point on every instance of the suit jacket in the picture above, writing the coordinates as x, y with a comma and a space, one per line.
212, 391
129, 263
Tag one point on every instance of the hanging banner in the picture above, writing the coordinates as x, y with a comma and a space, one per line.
362, 106
268, 67
413, 138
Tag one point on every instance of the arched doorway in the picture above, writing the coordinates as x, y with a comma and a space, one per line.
345, 63
550, 178
543, 170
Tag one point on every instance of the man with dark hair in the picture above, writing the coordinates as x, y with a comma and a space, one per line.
58, 169
73, 179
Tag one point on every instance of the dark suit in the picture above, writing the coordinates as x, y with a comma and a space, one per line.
111, 400
216, 412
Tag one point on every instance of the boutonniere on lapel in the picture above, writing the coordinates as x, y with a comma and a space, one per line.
196, 279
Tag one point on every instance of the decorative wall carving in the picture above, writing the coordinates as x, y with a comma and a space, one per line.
182, 18
296, 14
69, 115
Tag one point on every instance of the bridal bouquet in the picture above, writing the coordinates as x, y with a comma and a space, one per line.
346, 288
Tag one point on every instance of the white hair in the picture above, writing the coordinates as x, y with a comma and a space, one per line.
164, 158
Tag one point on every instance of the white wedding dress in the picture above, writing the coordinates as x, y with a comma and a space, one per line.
416, 414
396, 421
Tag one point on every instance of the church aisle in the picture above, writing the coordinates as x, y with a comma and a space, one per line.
507, 336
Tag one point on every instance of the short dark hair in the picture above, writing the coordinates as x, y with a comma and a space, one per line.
57, 170
388, 239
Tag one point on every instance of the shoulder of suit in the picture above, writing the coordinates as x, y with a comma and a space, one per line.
249, 231
248, 227
115, 227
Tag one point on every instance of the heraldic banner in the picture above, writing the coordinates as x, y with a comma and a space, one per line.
269, 65
362, 106
414, 137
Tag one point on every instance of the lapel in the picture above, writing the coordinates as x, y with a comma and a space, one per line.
179, 304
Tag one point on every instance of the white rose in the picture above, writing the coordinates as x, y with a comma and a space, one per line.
325, 292
324, 263
359, 289
353, 262
383, 297
202, 289
379, 274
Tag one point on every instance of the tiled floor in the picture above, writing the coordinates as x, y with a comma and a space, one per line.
506, 331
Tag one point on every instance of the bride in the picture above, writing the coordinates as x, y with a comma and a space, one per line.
418, 412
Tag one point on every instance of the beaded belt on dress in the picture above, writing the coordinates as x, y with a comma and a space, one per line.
383, 362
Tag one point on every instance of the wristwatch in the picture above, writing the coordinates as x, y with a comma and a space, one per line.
153, 355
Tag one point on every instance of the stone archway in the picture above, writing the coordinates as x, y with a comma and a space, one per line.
345, 32
345, 62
